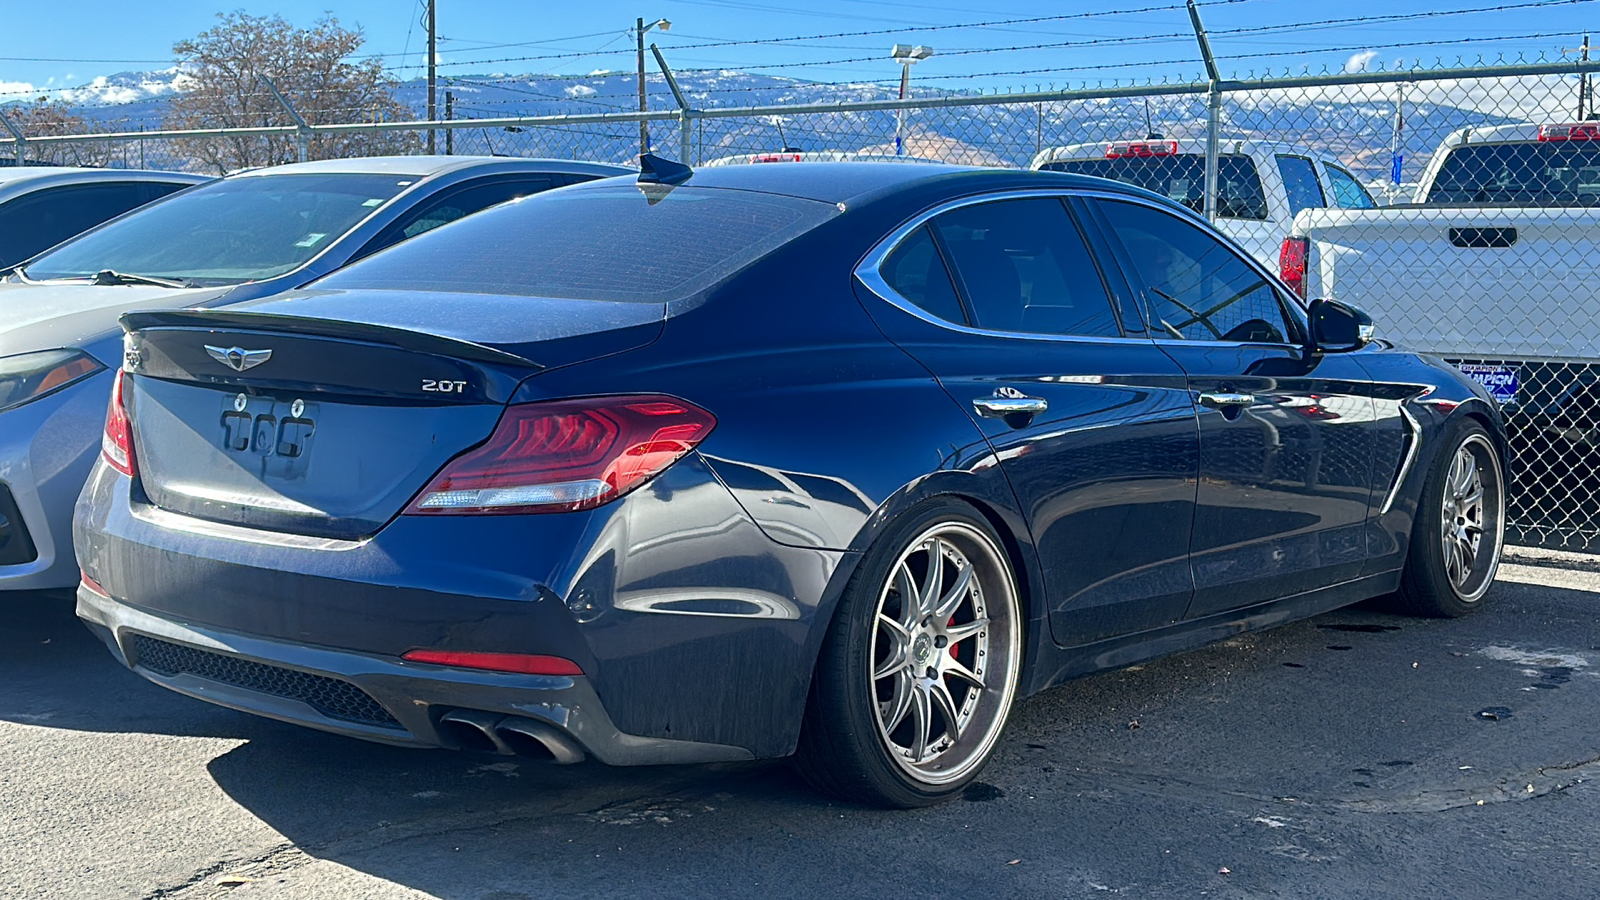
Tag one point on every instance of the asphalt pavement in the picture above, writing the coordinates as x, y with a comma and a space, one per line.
1355, 755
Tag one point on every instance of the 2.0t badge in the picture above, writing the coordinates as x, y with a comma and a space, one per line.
238, 358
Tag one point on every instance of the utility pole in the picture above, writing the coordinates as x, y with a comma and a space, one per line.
1583, 79
433, 44
639, 29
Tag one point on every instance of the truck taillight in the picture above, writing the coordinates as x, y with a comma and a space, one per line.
775, 157
116, 445
566, 455
1292, 262
1586, 131
1140, 149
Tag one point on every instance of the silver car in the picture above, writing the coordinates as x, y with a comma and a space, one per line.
237, 238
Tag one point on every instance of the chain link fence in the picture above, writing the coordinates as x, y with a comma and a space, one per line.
1458, 206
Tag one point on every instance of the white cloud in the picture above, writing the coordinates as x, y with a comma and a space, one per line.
1358, 62
15, 90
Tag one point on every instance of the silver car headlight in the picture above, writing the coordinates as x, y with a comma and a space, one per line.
28, 376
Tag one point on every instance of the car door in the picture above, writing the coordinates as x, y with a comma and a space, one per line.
1286, 435
1091, 424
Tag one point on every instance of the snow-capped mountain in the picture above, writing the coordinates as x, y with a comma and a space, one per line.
1355, 124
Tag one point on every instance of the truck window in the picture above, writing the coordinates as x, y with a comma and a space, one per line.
1300, 183
1519, 174
1182, 178
1347, 191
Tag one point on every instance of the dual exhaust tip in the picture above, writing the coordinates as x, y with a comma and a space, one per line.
488, 732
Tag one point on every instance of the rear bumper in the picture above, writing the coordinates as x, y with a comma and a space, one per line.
376, 698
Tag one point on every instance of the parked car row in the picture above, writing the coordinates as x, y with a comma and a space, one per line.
837, 460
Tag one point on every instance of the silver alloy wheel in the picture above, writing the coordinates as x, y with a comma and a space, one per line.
946, 653
1472, 522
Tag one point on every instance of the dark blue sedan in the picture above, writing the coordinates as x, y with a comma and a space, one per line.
835, 460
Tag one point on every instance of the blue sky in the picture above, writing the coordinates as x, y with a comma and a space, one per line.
71, 43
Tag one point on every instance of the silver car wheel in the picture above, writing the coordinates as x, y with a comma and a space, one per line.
946, 653
1472, 521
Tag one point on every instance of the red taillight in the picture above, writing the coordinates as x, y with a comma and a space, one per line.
775, 157
1581, 132
117, 443
521, 663
566, 455
1292, 263
1140, 149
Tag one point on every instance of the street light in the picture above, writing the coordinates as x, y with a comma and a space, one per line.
907, 56
644, 127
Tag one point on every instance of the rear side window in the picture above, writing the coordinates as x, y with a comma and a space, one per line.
1300, 182
606, 243
40, 220
452, 204
1347, 191
1196, 287
1182, 178
916, 272
1023, 267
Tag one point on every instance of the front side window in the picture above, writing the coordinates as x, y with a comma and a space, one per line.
245, 228
1195, 286
1023, 267
1347, 191
1300, 182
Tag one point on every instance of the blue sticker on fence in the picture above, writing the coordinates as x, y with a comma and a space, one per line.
1500, 380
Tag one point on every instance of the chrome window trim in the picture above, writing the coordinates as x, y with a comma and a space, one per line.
867, 271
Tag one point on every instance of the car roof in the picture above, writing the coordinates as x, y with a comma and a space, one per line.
427, 166
12, 175
856, 182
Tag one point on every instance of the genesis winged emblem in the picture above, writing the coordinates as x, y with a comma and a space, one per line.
238, 358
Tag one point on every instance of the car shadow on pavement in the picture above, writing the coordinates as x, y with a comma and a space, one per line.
57, 674
1352, 713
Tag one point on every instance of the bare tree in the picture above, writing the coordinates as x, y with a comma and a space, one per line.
44, 117
312, 67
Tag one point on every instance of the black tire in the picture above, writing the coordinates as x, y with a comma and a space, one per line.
1434, 584
894, 661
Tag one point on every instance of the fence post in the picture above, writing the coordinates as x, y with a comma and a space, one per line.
17, 138
449, 115
302, 134
1213, 110
685, 112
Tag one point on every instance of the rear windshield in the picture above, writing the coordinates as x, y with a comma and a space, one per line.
608, 243
1182, 178
1525, 174
227, 232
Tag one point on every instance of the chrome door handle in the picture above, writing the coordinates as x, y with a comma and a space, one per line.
1226, 399
1000, 407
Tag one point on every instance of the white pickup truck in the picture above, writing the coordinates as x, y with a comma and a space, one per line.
1492, 267
1261, 185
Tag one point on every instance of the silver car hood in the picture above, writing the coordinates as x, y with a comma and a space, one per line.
47, 316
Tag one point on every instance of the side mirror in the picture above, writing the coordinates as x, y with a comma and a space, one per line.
1338, 327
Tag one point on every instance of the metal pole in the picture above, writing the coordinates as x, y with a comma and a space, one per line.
1213, 119
1583, 81
433, 37
900, 112
17, 138
302, 131
449, 114
685, 113
644, 127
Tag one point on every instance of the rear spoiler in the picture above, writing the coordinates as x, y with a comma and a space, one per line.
307, 326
